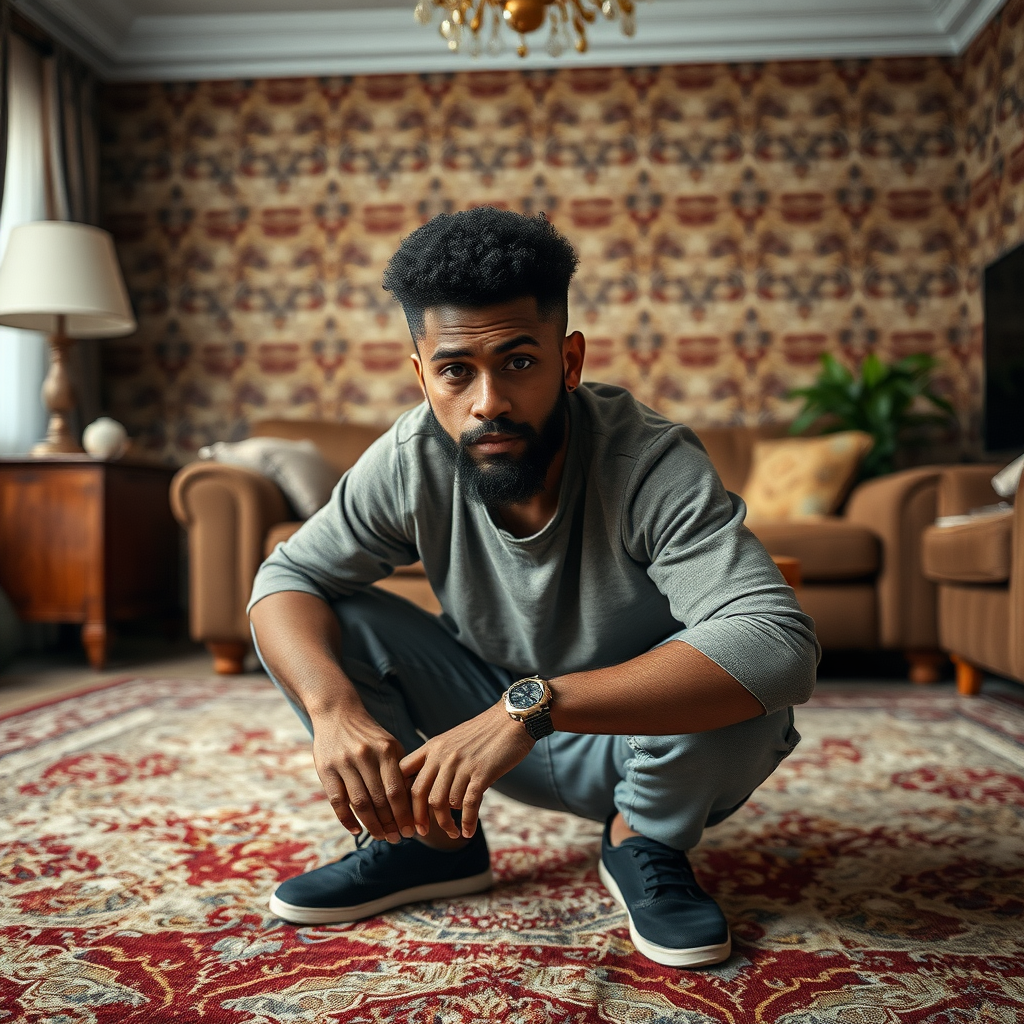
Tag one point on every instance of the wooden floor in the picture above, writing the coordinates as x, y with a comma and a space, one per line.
34, 678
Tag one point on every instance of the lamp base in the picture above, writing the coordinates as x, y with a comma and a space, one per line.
59, 398
59, 440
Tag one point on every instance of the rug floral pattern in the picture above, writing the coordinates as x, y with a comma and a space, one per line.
877, 878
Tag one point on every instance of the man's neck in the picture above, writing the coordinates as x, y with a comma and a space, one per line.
532, 516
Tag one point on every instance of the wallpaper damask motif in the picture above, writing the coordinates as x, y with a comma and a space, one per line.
733, 221
991, 171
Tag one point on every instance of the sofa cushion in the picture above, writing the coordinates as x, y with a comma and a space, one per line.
297, 467
975, 552
828, 548
803, 476
340, 444
730, 449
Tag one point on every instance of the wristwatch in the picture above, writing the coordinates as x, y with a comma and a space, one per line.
529, 701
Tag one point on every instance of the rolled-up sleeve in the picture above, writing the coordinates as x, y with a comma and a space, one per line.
723, 588
357, 538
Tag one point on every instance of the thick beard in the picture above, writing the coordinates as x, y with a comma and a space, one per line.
505, 479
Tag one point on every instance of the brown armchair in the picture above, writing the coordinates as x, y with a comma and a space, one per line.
862, 581
979, 569
234, 517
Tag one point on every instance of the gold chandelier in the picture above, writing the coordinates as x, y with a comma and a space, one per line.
568, 19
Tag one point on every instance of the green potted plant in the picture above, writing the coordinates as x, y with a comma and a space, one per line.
881, 401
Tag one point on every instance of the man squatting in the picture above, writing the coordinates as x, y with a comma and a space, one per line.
613, 641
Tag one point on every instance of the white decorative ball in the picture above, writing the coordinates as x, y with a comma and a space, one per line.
105, 438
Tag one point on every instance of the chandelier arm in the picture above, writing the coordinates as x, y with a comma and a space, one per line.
584, 12
478, 17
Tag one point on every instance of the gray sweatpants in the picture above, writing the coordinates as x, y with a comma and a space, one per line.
414, 677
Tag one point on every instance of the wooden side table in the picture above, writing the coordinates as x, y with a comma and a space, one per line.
789, 566
87, 541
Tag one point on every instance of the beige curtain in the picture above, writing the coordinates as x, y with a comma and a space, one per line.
23, 354
73, 189
5, 64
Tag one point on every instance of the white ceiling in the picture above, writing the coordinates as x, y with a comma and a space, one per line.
129, 40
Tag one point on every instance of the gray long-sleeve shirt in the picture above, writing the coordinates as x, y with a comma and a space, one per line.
646, 544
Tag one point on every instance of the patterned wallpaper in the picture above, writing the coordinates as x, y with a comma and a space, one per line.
990, 173
734, 221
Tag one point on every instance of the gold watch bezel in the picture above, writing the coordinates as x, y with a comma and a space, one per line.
521, 714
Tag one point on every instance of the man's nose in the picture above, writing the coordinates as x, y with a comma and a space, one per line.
489, 402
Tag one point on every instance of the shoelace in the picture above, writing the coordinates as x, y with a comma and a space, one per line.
665, 871
363, 841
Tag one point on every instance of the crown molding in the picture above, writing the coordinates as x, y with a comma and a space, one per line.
122, 45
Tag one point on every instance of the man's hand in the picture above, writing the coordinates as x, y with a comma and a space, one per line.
456, 768
358, 765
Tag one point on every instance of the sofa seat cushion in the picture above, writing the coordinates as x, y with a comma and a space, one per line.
282, 531
829, 548
976, 552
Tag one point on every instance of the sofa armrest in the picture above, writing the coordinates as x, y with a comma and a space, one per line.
965, 487
227, 512
898, 508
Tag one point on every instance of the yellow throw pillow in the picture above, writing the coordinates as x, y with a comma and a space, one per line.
800, 477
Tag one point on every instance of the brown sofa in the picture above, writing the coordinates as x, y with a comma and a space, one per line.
862, 581
979, 569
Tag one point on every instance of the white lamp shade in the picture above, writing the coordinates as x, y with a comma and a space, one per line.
55, 268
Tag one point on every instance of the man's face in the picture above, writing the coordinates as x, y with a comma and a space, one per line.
495, 379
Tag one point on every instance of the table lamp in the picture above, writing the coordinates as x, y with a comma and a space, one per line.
62, 278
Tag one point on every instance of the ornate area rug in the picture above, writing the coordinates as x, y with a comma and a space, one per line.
877, 878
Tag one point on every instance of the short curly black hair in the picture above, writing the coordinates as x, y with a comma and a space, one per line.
481, 257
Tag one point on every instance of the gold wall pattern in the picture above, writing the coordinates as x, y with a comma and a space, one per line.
990, 174
733, 221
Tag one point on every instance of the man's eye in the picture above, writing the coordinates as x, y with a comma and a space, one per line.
520, 362
454, 372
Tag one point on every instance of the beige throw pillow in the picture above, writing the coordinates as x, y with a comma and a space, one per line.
800, 477
297, 467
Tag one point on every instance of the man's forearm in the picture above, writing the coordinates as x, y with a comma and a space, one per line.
356, 758
300, 641
670, 690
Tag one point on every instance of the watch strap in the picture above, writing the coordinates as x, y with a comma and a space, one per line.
539, 725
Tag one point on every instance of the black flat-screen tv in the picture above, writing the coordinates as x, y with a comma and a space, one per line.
1003, 419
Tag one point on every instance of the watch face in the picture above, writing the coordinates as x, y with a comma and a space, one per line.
524, 695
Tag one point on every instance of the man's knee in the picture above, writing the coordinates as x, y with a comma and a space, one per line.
675, 786
762, 741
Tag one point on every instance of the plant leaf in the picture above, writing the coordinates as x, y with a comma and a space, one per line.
872, 370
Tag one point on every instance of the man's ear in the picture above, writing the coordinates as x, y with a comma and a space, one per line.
574, 349
418, 367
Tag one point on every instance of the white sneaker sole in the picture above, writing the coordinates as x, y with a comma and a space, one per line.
333, 915
697, 956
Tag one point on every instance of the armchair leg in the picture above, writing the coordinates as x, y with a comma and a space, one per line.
227, 657
924, 665
968, 677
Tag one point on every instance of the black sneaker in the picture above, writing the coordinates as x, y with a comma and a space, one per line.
672, 920
377, 876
